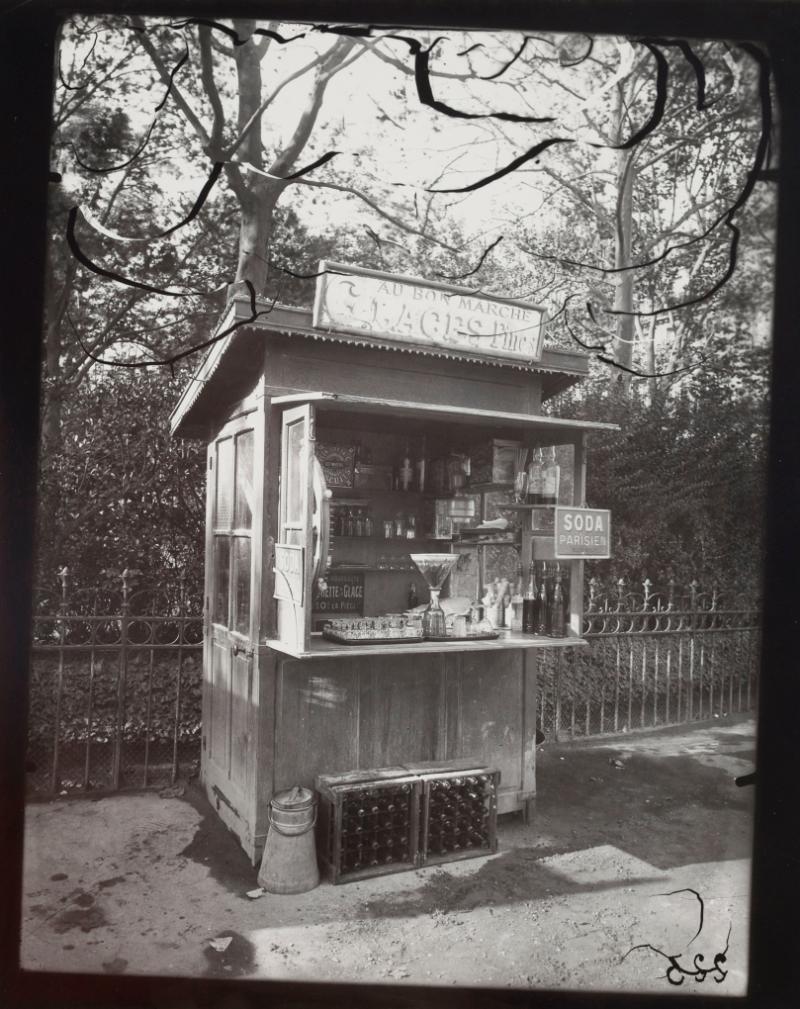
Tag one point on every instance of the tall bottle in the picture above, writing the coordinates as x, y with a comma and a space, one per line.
517, 622
558, 612
406, 470
529, 609
551, 477
543, 605
421, 467
508, 612
535, 477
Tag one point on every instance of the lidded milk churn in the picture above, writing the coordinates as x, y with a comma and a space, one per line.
289, 862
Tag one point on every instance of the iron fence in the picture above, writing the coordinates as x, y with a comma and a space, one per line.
114, 696
116, 677
651, 660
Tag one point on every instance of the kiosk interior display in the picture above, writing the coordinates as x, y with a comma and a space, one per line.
383, 555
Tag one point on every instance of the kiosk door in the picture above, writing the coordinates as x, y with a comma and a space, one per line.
229, 638
295, 545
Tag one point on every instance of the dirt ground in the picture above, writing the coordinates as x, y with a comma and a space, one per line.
142, 884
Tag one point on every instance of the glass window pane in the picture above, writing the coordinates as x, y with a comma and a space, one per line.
243, 507
294, 475
222, 557
241, 584
223, 512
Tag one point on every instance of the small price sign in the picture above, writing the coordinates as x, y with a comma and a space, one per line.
343, 593
582, 532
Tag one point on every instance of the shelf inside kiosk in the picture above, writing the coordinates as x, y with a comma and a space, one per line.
389, 483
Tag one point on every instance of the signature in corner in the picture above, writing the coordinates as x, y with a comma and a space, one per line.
677, 972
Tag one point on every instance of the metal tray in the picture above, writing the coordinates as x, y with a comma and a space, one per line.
486, 636
340, 639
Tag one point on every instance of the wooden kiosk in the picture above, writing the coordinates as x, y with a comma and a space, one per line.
311, 421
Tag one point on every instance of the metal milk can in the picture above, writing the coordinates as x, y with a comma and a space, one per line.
289, 862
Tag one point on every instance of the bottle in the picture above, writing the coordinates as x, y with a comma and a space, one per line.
413, 597
517, 604
399, 525
406, 471
369, 526
558, 615
421, 467
411, 527
350, 525
529, 609
543, 608
507, 611
551, 477
358, 522
535, 478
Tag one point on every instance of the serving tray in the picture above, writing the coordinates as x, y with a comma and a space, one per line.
341, 639
484, 636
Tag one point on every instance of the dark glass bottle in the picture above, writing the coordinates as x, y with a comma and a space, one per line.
551, 477
406, 470
529, 604
535, 467
558, 613
543, 608
413, 597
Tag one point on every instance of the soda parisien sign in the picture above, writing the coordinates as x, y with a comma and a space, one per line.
582, 532
367, 302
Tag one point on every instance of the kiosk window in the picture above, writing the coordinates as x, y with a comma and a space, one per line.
233, 520
222, 555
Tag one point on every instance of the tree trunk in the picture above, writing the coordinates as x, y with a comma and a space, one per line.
255, 229
650, 362
623, 294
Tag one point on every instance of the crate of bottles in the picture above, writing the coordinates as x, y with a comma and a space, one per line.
458, 815
368, 823
391, 819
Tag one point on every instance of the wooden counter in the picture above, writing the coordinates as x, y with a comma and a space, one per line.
322, 648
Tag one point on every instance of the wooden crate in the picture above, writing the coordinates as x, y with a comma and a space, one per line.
391, 819
458, 815
368, 823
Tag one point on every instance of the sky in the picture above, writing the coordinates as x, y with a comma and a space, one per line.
393, 148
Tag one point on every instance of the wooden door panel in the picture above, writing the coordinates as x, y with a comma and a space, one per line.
404, 710
240, 719
490, 712
317, 721
220, 704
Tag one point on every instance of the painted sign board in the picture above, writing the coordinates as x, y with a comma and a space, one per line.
582, 532
343, 593
421, 312
289, 567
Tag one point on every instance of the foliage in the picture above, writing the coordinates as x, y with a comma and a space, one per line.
147, 713
684, 477
137, 130
121, 493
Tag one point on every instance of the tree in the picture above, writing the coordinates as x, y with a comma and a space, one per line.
217, 156
672, 146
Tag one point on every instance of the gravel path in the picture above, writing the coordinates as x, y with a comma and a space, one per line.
142, 884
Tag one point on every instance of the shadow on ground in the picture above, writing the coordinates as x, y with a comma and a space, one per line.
662, 810
513, 877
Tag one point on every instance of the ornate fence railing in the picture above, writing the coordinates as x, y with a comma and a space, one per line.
651, 660
114, 693
116, 677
